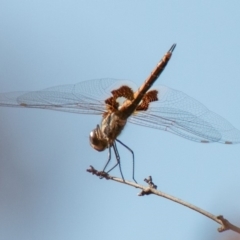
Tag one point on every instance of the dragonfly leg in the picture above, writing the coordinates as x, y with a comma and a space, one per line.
109, 158
118, 160
129, 149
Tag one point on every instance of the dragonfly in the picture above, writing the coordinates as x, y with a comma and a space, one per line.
119, 103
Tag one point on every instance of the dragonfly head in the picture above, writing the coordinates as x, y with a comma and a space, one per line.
97, 139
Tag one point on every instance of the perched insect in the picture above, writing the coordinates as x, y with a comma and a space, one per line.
161, 108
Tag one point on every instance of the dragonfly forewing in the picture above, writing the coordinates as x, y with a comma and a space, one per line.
87, 97
180, 114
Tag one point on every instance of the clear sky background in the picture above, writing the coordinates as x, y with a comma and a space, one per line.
45, 191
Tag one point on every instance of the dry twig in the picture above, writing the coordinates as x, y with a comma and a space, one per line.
152, 189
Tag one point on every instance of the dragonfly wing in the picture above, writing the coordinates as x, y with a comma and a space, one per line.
86, 97
180, 114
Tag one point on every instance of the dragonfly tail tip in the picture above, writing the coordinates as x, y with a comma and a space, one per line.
172, 48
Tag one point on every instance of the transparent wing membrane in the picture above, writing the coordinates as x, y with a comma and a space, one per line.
85, 97
174, 111
180, 114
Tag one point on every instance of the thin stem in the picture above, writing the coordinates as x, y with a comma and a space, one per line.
151, 189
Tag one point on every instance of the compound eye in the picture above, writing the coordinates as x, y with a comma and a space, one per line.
96, 142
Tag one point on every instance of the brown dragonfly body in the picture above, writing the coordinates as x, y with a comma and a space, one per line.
115, 118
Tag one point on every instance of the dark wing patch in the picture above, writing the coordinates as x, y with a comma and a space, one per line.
150, 96
123, 91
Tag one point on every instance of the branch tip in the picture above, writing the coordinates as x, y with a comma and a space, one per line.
226, 225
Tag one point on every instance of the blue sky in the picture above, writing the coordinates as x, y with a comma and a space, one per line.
45, 191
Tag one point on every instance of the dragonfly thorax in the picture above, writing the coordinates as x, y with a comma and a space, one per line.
104, 135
